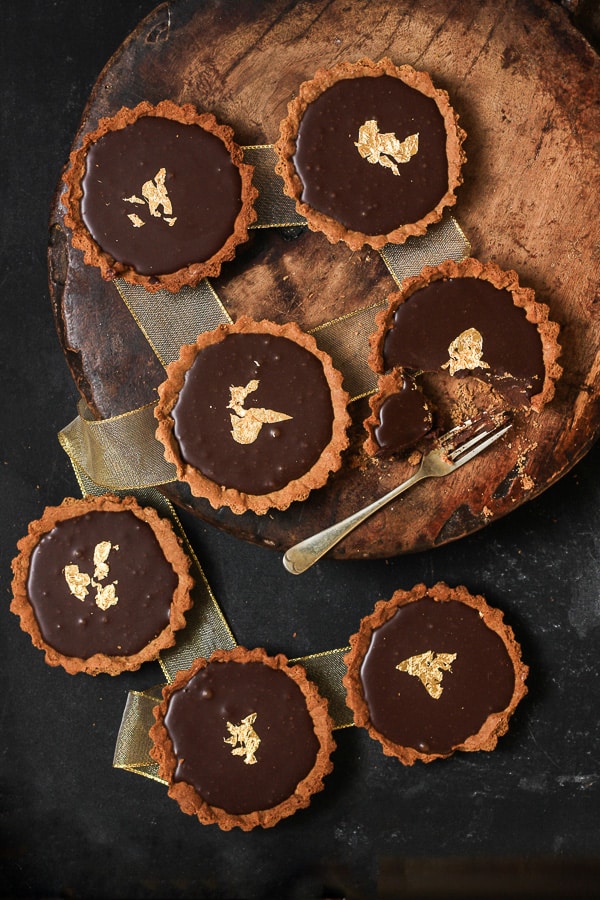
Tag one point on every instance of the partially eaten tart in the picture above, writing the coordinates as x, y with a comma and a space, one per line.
253, 415
371, 152
101, 584
432, 671
400, 415
158, 195
243, 739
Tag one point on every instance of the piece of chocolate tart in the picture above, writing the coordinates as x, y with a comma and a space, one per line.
371, 152
101, 584
159, 196
471, 319
432, 671
400, 415
253, 415
243, 739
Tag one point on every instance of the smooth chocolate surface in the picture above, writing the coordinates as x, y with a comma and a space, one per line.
370, 198
291, 382
480, 682
202, 184
144, 584
403, 419
427, 323
197, 721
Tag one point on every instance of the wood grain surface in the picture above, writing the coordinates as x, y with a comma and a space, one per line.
527, 88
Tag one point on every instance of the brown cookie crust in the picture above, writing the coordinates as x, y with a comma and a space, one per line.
220, 495
188, 798
508, 280
495, 725
286, 146
110, 268
72, 508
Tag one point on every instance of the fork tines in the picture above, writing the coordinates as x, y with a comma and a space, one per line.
472, 431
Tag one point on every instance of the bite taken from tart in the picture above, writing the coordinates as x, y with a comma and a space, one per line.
253, 415
371, 152
101, 584
158, 195
243, 739
433, 671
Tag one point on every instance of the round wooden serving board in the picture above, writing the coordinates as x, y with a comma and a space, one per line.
527, 88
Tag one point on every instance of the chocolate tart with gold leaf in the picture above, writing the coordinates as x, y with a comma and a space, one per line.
101, 584
400, 415
468, 318
432, 671
158, 195
243, 739
253, 415
371, 152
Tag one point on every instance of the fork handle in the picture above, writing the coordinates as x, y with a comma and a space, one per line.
302, 556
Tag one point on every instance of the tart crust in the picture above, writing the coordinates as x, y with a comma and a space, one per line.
187, 796
110, 268
536, 312
496, 723
220, 495
72, 508
367, 68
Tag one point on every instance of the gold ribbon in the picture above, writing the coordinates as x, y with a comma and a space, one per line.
121, 453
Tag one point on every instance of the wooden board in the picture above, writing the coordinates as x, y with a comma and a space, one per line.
527, 88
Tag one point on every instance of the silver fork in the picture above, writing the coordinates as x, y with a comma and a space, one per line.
453, 450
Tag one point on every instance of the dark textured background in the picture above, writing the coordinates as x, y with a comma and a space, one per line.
525, 818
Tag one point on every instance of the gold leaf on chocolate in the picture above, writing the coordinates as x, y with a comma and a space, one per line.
466, 352
106, 596
377, 148
135, 220
155, 194
429, 668
247, 423
246, 737
77, 581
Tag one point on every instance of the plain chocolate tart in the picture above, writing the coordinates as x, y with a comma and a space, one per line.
101, 584
470, 319
371, 152
158, 195
400, 415
243, 739
253, 415
432, 671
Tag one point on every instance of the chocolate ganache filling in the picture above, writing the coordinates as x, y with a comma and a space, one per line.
159, 195
254, 413
477, 675
429, 323
403, 419
339, 182
242, 736
101, 556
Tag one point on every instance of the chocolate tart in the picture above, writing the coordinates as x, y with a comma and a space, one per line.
159, 196
101, 584
400, 415
253, 415
432, 671
242, 739
473, 319
371, 152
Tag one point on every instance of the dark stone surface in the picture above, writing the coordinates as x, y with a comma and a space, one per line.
525, 818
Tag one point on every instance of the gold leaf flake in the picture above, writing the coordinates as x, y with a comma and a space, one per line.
155, 192
77, 581
246, 737
466, 352
101, 552
106, 596
134, 199
247, 423
429, 667
378, 148
135, 220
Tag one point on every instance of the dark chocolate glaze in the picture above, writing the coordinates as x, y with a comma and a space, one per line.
291, 381
429, 320
145, 585
202, 182
481, 681
366, 197
403, 419
197, 718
